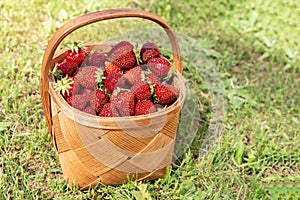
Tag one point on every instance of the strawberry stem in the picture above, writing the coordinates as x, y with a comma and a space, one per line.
75, 46
56, 72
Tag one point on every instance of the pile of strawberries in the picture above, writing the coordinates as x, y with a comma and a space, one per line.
119, 83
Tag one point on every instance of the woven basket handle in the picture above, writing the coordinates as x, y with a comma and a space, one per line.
84, 20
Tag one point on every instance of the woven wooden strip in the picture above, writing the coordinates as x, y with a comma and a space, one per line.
160, 141
171, 126
90, 135
74, 171
60, 141
117, 177
111, 179
146, 162
89, 161
127, 142
159, 173
101, 151
57, 138
151, 160
69, 129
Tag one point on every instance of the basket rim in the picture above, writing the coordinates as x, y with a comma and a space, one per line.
106, 122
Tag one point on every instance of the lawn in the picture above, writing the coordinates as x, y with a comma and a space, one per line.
252, 48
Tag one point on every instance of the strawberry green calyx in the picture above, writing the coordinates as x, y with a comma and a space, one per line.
75, 46
152, 87
64, 86
99, 76
56, 72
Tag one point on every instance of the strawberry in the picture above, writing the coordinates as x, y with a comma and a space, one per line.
98, 99
85, 91
76, 86
66, 68
112, 68
66, 86
152, 78
111, 81
97, 59
165, 94
78, 101
124, 102
89, 110
160, 66
76, 54
141, 90
149, 50
133, 75
122, 55
87, 77
108, 111
144, 108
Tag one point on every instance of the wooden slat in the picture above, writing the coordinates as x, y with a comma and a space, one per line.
60, 142
74, 171
69, 130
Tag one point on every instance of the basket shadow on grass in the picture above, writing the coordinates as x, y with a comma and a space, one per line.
203, 114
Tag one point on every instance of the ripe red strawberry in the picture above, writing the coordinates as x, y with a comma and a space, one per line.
134, 75
124, 102
111, 81
149, 50
98, 99
66, 86
66, 68
122, 55
107, 111
97, 59
87, 77
141, 90
152, 78
76, 54
112, 68
78, 101
160, 66
165, 93
144, 107
89, 110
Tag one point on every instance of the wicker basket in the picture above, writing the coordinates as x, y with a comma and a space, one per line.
109, 151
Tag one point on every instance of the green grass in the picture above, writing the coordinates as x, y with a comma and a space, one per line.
257, 153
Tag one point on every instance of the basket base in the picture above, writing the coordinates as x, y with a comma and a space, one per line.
80, 176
